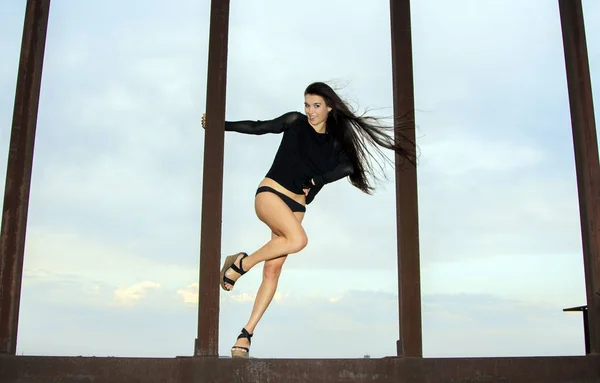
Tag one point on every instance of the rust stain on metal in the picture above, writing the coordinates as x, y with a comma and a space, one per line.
586, 155
407, 211
207, 342
25, 369
18, 175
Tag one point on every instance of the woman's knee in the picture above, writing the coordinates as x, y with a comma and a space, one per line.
272, 270
297, 242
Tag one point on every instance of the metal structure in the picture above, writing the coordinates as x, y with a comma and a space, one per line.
204, 365
18, 174
207, 342
587, 167
586, 326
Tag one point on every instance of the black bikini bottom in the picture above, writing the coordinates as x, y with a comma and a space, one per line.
293, 205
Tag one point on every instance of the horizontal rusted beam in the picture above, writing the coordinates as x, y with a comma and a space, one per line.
30, 369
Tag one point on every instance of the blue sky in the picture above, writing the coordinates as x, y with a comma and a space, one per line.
113, 233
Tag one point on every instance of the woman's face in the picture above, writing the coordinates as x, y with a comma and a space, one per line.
315, 108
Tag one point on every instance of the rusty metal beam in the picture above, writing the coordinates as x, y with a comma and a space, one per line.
586, 155
34, 369
207, 342
407, 216
18, 174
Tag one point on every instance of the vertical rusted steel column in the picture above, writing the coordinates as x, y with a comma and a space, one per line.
586, 155
407, 216
207, 342
18, 174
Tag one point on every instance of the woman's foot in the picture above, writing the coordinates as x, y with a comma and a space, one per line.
232, 270
241, 348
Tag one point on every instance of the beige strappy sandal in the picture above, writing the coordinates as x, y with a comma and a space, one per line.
239, 351
230, 263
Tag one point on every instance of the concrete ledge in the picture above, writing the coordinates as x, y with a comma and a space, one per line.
35, 369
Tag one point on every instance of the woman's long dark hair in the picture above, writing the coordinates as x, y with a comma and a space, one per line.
359, 133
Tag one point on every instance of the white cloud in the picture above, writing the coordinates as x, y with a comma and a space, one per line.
243, 297
126, 296
54, 256
189, 294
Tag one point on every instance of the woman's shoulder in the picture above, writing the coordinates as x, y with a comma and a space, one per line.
293, 121
293, 117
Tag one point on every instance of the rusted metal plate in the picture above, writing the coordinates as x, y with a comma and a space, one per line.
586, 156
77, 369
29, 369
407, 209
207, 342
18, 175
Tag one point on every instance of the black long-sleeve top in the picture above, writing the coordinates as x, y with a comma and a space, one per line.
303, 154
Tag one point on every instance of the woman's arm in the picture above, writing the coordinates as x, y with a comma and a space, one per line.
343, 169
312, 187
340, 171
277, 125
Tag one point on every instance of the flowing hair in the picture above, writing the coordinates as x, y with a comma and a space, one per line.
357, 134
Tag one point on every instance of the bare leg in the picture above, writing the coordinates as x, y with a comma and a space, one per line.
266, 291
290, 238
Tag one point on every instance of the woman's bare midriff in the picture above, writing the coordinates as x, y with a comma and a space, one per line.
300, 198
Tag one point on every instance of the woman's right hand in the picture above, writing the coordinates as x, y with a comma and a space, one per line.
307, 186
203, 120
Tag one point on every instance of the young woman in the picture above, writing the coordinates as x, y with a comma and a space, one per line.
327, 143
